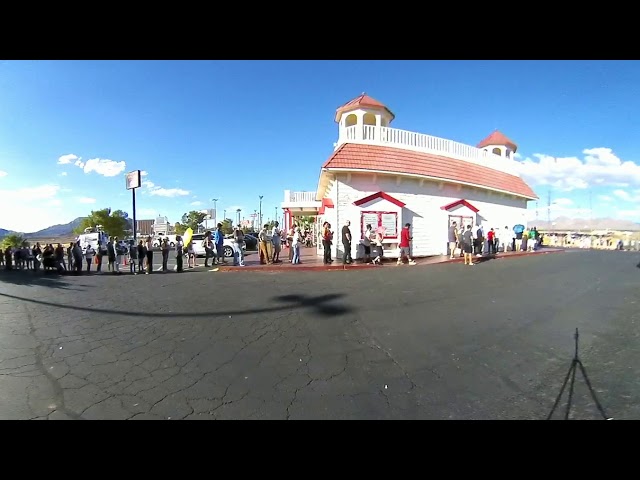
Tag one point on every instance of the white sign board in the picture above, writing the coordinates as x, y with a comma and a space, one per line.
134, 179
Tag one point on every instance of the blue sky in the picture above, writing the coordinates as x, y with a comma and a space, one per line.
234, 130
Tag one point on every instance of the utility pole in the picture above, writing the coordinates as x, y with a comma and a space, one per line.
261, 197
276, 217
549, 208
238, 211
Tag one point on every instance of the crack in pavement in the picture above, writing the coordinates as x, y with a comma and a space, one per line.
55, 385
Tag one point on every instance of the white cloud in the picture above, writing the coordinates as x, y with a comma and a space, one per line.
67, 159
63, 174
633, 214
626, 196
104, 167
169, 192
32, 208
599, 167
86, 200
3, 173
148, 184
197, 203
605, 198
144, 173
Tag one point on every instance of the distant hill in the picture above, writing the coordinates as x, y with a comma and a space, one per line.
56, 230
4, 232
566, 223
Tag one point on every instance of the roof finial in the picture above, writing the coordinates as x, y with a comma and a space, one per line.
363, 94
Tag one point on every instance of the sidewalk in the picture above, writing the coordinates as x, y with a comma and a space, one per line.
311, 261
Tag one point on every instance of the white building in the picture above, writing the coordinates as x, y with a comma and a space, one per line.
380, 175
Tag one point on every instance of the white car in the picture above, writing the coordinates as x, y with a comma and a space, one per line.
229, 246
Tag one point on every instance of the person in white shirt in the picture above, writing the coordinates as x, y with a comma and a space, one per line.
89, 253
295, 246
276, 238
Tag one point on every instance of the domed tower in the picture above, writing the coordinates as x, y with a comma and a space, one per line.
360, 119
498, 144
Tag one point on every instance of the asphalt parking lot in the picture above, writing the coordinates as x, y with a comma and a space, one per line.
493, 341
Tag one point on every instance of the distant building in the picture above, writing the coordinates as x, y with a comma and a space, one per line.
161, 226
144, 227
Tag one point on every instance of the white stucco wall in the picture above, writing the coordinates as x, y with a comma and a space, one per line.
423, 209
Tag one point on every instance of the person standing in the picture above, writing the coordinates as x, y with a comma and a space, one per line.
467, 245
238, 238
89, 253
149, 247
111, 254
179, 253
165, 255
405, 245
99, 254
133, 257
366, 243
346, 243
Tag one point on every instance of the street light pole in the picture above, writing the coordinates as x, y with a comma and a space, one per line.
276, 217
215, 210
261, 197
238, 211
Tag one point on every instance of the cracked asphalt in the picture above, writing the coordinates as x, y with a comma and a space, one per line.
436, 342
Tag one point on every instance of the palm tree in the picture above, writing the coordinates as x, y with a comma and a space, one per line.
13, 240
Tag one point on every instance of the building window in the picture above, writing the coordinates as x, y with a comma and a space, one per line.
388, 220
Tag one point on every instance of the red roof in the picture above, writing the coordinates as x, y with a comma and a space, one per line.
384, 196
363, 100
497, 138
460, 203
399, 161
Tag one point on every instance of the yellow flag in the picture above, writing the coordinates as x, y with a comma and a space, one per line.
188, 233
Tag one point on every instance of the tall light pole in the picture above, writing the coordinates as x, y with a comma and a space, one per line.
260, 217
215, 210
224, 215
238, 211
276, 217
255, 220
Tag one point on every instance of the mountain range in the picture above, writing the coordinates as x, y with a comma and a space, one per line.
52, 231
566, 223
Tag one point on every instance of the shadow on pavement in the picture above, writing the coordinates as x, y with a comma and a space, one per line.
318, 305
36, 279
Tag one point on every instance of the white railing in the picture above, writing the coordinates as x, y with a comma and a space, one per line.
298, 197
420, 142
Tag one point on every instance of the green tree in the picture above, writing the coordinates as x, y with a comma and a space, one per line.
179, 228
193, 219
13, 240
227, 226
113, 223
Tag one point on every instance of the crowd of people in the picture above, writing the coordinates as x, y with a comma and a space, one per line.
78, 258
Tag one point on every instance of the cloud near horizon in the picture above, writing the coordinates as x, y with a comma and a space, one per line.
28, 205
599, 167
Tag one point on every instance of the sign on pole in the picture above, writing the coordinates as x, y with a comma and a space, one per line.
134, 179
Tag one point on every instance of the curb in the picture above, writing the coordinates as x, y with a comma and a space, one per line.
360, 266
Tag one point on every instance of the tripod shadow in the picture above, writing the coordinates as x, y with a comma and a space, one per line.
576, 364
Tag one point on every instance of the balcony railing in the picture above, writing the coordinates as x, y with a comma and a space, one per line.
420, 142
300, 197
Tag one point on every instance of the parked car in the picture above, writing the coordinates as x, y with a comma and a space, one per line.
229, 246
250, 241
